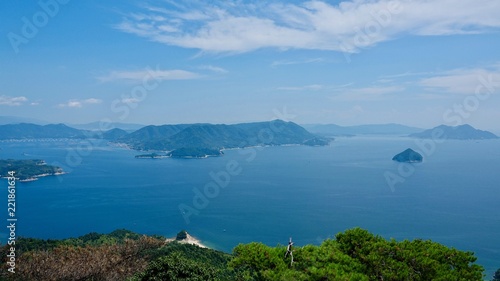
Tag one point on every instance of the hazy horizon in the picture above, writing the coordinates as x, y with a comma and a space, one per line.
43, 122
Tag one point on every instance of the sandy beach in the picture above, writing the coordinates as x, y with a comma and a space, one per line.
188, 240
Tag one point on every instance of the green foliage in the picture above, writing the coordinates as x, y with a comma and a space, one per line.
216, 258
255, 261
496, 276
355, 254
177, 267
181, 235
197, 140
407, 260
176, 261
91, 239
26, 169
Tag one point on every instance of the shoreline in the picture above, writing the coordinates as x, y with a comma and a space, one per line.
36, 177
188, 240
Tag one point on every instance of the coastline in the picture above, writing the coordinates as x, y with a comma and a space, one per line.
36, 177
188, 240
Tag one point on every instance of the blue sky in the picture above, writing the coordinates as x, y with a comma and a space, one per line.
415, 62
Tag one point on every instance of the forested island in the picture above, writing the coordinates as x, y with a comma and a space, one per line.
408, 156
28, 170
355, 254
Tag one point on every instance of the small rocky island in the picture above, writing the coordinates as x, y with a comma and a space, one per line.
408, 156
28, 170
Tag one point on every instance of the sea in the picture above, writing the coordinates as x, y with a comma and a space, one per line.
268, 194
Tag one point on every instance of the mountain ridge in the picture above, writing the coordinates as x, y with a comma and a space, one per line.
461, 132
34, 131
220, 136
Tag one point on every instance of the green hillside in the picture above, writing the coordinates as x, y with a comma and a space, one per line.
27, 169
354, 254
220, 136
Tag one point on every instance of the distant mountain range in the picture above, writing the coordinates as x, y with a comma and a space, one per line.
462, 132
32, 131
200, 140
183, 140
96, 126
375, 129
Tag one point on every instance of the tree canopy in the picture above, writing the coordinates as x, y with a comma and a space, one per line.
355, 254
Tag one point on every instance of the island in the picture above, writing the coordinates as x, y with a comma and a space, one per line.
186, 152
408, 156
152, 156
28, 170
462, 132
210, 140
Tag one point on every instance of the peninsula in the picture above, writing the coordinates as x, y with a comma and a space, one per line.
28, 170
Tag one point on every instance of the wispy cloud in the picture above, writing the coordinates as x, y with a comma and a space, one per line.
463, 81
347, 27
146, 74
314, 87
212, 68
406, 74
293, 62
12, 101
79, 103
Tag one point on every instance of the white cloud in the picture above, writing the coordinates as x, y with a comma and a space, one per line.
79, 103
464, 81
12, 101
348, 27
148, 74
92, 101
212, 68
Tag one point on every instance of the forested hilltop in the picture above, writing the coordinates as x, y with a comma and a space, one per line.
354, 254
26, 170
220, 136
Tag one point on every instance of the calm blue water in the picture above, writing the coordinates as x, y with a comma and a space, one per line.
309, 193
